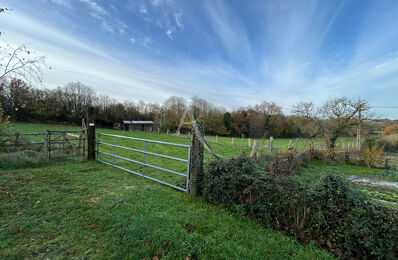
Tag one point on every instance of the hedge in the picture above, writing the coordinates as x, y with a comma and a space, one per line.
340, 218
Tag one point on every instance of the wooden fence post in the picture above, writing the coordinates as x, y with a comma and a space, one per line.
16, 141
232, 141
216, 139
196, 163
45, 146
255, 149
167, 131
271, 143
90, 134
248, 142
84, 144
290, 144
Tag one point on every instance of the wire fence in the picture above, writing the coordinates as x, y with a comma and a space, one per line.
52, 144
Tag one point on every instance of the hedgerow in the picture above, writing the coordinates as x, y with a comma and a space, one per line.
340, 218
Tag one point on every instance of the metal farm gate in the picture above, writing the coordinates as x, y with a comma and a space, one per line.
144, 153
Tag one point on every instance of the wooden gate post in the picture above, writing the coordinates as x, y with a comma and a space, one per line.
90, 134
196, 163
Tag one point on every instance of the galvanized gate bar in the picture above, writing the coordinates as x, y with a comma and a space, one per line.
144, 164
140, 151
147, 140
147, 177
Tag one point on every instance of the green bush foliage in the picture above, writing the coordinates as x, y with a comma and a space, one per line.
338, 217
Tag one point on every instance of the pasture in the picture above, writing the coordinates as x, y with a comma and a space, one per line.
89, 209
222, 145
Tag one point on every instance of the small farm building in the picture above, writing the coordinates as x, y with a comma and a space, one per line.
128, 125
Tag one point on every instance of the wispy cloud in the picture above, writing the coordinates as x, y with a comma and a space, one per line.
178, 19
114, 8
106, 27
63, 3
95, 8
228, 28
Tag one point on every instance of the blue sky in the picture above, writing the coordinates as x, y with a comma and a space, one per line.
232, 53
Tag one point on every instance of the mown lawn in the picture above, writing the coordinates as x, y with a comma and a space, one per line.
89, 210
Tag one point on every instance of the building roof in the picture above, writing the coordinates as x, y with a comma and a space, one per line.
127, 122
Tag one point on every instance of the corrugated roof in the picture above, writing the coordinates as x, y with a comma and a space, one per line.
127, 122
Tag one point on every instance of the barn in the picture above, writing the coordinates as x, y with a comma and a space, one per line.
128, 125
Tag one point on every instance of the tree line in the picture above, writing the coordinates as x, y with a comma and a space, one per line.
68, 104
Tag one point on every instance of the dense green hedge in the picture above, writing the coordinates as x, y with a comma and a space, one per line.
338, 217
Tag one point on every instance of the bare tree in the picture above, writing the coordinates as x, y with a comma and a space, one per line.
335, 117
20, 63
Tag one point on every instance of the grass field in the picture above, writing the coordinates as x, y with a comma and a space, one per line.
223, 147
89, 210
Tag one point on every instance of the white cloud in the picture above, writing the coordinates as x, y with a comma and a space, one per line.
143, 9
132, 40
168, 33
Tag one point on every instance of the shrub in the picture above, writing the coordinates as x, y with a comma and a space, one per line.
338, 217
285, 163
392, 129
373, 156
225, 179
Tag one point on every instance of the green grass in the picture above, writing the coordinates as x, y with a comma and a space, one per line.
89, 210
319, 168
223, 146
132, 217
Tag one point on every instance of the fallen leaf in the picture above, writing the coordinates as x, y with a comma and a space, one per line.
155, 257
93, 226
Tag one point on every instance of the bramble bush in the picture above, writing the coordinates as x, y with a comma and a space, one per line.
338, 217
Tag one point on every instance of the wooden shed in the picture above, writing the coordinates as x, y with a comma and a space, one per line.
128, 125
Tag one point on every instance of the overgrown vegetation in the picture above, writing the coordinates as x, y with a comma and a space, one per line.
21, 159
332, 213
